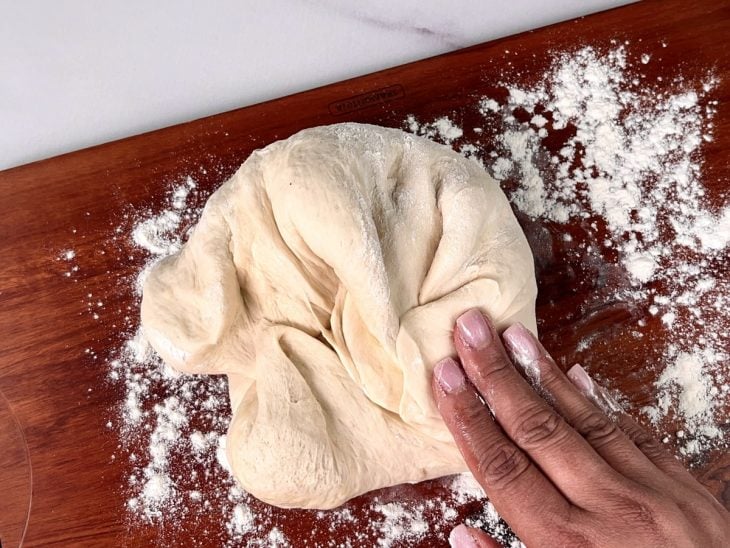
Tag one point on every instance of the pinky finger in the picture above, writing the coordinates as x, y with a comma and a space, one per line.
652, 448
655, 451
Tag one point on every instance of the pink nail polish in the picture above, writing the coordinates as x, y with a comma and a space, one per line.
449, 376
473, 329
581, 380
460, 538
593, 391
610, 406
522, 344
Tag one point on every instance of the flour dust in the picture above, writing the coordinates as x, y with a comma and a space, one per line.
629, 167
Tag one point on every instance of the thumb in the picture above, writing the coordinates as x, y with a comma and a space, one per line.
467, 537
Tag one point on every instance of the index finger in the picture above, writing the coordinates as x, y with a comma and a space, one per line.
519, 490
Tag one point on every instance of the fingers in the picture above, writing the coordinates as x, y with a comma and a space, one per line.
526, 498
654, 450
467, 537
561, 453
595, 415
589, 418
531, 462
634, 435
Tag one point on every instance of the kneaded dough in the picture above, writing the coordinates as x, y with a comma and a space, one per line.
324, 279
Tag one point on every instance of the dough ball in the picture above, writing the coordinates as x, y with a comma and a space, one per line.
324, 279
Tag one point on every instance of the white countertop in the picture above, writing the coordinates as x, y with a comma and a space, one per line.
79, 72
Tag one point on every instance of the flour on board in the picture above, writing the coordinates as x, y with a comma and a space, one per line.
633, 164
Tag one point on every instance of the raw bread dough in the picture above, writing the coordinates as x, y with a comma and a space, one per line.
324, 279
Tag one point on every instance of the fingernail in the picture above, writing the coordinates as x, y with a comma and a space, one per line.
449, 375
611, 405
461, 538
473, 329
522, 344
592, 390
581, 380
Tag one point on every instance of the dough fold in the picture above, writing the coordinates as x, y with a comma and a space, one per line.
324, 279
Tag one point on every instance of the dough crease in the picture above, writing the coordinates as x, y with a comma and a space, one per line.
324, 278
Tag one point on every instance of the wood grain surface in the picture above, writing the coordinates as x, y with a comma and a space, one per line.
59, 394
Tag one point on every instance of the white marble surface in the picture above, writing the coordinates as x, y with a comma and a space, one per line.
75, 73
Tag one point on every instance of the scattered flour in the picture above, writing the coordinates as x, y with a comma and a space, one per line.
172, 464
488, 105
401, 523
442, 129
466, 488
68, 256
153, 234
692, 386
641, 266
490, 521
242, 521
172, 430
630, 167
157, 486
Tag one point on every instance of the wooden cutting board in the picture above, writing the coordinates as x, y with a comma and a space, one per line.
59, 394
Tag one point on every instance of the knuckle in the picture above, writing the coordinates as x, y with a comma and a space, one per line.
538, 428
597, 428
496, 369
572, 530
639, 510
569, 538
646, 443
550, 376
471, 411
502, 465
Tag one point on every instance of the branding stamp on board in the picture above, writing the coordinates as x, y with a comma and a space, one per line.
369, 99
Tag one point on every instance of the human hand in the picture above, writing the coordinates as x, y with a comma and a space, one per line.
575, 472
